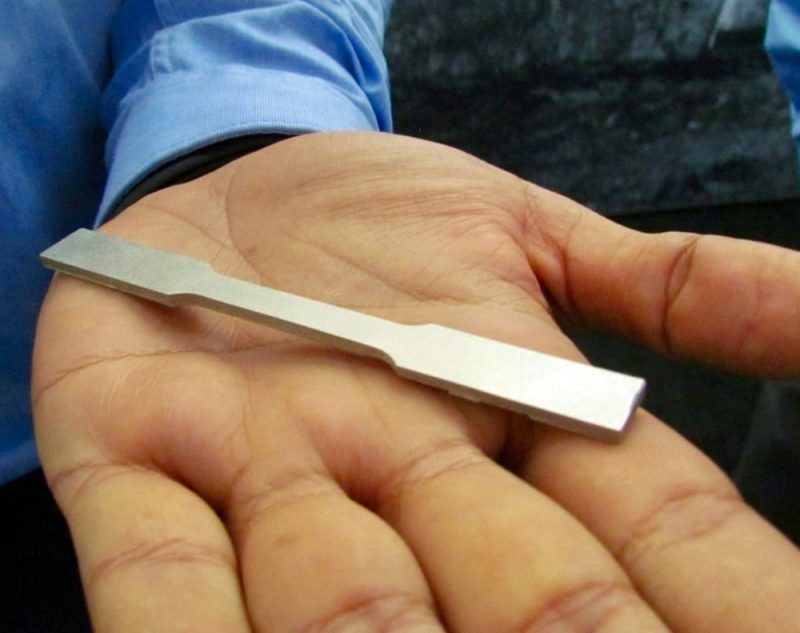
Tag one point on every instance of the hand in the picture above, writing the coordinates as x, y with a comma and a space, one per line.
220, 476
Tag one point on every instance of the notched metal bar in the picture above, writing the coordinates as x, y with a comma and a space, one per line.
562, 393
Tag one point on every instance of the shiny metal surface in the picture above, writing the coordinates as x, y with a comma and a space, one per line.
562, 393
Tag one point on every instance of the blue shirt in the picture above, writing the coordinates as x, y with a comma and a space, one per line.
96, 95
783, 46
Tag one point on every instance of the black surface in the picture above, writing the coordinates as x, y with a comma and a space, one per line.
40, 592
769, 468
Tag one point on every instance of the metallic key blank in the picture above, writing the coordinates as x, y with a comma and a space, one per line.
562, 393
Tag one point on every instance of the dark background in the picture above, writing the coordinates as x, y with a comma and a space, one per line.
662, 113
624, 105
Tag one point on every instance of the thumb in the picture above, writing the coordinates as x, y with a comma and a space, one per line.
734, 303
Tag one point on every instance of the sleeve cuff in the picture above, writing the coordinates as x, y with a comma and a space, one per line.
182, 114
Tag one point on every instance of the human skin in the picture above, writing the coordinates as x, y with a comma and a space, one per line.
221, 476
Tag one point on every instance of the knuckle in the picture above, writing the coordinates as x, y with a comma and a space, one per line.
160, 553
679, 274
681, 518
426, 466
71, 484
251, 504
382, 613
588, 607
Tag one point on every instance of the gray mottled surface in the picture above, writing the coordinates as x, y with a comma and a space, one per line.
623, 105
468, 39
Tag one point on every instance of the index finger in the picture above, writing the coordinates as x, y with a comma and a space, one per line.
731, 302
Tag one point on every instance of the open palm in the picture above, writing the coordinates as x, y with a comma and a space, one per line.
221, 476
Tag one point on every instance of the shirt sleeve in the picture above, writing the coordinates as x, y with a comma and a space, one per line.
783, 46
188, 74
